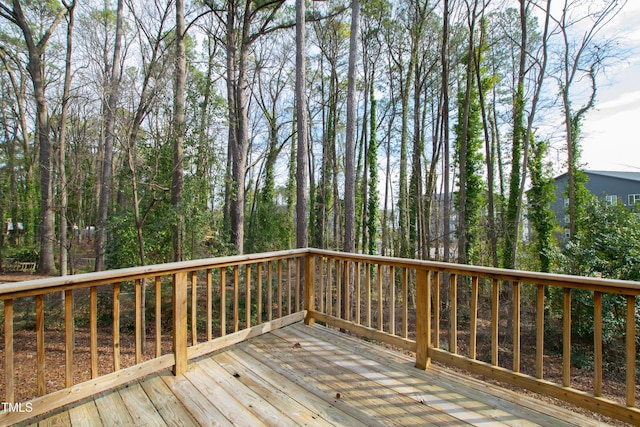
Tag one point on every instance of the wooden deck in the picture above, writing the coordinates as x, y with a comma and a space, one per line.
302, 375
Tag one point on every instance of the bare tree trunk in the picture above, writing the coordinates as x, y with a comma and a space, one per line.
63, 132
444, 55
301, 123
107, 164
177, 176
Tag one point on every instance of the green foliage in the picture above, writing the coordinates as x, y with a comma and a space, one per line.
609, 247
540, 197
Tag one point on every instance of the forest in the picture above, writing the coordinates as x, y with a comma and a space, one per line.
147, 132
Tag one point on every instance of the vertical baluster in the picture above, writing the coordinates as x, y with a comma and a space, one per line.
68, 337
597, 344
93, 334
209, 304
453, 314
566, 338
405, 304
300, 286
516, 326
247, 301
259, 295
436, 309
289, 273
631, 351
41, 382
138, 321
158, 295
367, 279
380, 299
9, 395
392, 300
348, 280
540, 332
357, 286
329, 294
321, 290
116, 326
338, 289
495, 299
194, 307
279, 289
422, 319
474, 318
223, 301
269, 291
236, 299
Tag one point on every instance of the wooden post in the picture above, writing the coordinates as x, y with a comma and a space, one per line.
68, 337
180, 322
631, 351
423, 314
309, 290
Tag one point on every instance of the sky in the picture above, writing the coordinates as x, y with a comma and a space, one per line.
611, 131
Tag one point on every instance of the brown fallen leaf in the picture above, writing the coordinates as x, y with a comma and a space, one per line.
337, 395
297, 345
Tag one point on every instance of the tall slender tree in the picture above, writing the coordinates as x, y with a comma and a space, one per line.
35, 67
110, 126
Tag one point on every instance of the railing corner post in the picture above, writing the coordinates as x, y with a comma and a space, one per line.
180, 322
423, 319
309, 288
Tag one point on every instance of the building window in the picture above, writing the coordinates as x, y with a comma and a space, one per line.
567, 219
567, 233
566, 203
633, 199
611, 200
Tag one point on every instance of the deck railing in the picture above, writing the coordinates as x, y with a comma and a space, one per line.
192, 308
492, 322
478, 319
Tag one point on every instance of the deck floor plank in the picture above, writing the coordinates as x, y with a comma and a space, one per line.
258, 405
85, 414
309, 376
327, 409
374, 401
57, 420
440, 399
404, 378
523, 410
112, 409
140, 407
232, 409
170, 408
205, 413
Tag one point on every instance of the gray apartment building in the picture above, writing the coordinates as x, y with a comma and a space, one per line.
613, 186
